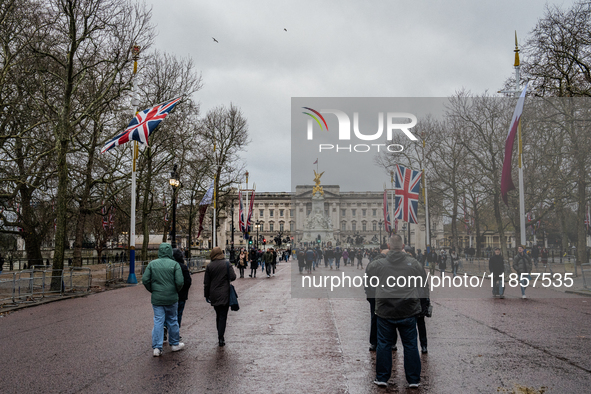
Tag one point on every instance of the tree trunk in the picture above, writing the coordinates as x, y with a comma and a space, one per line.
62, 189
581, 200
79, 238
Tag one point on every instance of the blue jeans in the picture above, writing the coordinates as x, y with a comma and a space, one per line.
523, 282
386, 338
165, 314
338, 262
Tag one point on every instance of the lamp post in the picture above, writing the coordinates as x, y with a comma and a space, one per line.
175, 183
404, 232
380, 224
258, 225
232, 252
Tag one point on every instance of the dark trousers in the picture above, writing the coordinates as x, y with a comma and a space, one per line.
180, 310
407, 329
498, 287
241, 271
221, 316
253, 272
373, 330
422, 330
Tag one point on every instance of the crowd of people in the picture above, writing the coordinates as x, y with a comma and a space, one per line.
394, 310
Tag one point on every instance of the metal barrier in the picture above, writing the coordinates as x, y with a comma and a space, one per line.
115, 273
196, 263
583, 270
35, 284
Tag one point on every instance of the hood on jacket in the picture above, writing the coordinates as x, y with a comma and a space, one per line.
396, 256
165, 251
216, 254
178, 256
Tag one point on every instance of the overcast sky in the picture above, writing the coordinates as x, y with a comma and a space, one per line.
336, 49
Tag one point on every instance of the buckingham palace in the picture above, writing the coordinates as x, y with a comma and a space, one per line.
352, 215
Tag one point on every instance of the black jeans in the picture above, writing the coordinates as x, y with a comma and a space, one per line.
241, 271
221, 316
373, 330
422, 330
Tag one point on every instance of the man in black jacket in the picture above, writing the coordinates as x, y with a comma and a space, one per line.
184, 292
401, 280
496, 266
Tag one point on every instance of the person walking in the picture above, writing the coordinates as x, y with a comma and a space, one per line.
268, 261
329, 255
254, 264
301, 260
496, 266
544, 256
337, 258
216, 289
360, 259
455, 261
345, 257
522, 265
431, 261
163, 278
310, 256
242, 262
184, 292
535, 254
442, 262
397, 308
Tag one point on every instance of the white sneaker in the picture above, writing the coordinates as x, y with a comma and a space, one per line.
381, 384
157, 352
273, 274
268, 276
414, 385
524, 296
180, 346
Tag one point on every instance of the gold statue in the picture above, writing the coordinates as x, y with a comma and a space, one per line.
317, 188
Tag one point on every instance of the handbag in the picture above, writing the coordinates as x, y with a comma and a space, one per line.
233, 295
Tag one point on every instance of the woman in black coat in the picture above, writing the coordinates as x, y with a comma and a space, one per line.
254, 264
216, 287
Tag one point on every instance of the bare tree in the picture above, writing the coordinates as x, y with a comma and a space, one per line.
85, 39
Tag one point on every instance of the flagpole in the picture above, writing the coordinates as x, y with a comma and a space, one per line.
425, 195
134, 102
521, 187
248, 208
215, 200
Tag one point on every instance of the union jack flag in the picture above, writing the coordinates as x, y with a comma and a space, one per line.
407, 186
142, 125
387, 222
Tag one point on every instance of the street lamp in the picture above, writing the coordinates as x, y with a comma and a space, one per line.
380, 224
404, 232
175, 183
258, 225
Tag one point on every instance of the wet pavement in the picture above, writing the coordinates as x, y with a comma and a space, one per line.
279, 344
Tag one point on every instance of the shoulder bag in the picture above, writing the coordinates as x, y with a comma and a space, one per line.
233, 295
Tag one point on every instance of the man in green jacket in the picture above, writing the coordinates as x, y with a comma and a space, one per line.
269, 262
164, 278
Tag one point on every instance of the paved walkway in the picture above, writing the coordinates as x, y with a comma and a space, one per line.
279, 344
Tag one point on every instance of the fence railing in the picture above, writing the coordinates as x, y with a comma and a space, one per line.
34, 284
